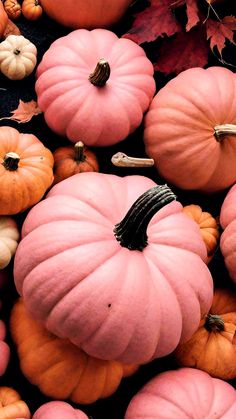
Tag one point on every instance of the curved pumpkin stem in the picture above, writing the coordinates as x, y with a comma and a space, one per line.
214, 323
222, 130
122, 160
131, 232
101, 73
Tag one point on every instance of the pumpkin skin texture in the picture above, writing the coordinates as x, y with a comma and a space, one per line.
84, 209
73, 98
3, 19
58, 410
11, 405
227, 239
25, 170
18, 57
208, 227
9, 236
182, 394
73, 159
88, 14
47, 361
4, 349
212, 347
13, 9
182, 131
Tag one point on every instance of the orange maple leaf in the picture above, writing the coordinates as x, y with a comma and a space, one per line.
24, 112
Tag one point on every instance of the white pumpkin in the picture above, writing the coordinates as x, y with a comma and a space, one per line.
9, 236
18, 57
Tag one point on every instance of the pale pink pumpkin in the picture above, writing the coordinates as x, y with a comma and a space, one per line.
127, 298
190, 129
183, 394
94, 87
4, 349
58, 410
228, 237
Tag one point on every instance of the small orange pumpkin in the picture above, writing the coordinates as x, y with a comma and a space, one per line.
31, 9
208, 227
60, 369
73, 159
11, 405
13, 9
25, 170
212, 348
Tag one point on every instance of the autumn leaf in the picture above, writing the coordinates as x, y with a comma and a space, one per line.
155, 21
192, 13
182, 52
24, 112
219, 32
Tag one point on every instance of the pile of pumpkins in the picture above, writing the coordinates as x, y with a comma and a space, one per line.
100, 253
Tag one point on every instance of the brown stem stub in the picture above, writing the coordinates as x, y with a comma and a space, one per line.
220, 131
16, 51
101, 73
11, 161
214, 323
79, 151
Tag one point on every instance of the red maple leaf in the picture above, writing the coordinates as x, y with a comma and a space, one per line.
219, 32
184, 51
155, 21
192, 13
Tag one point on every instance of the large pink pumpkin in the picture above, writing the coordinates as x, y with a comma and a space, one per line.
183, 394
4, 349
58, 410
190, 129
93, 86
130, 300
228, 237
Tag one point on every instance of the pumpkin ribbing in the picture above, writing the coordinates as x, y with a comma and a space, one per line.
101, 73
131, 232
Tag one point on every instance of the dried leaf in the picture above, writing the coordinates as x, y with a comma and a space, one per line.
219, 32
24, 112
11, 29
192, 13
184, 51
155, 21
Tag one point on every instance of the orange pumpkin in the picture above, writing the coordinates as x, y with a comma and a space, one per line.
73, 159
25, 170
60, 369
3, 19
212, 348
13, 9
208, 227
11, 405
31, 9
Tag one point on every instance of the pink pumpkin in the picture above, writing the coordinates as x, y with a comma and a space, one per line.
58, 410
228, 237
4, 349
93, 86
190, 129
103, 284
182, 394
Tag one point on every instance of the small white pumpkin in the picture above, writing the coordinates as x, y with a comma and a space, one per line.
9, 236
18, 57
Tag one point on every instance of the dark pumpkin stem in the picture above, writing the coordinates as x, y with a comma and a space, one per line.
11, 161
220, 131
214, 323
79, 151
16, 51
101, 73
131, 232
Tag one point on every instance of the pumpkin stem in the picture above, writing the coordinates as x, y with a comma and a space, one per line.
122, 160
11, 161
101, 73
79, 151
16, 51
131, 232
214, 323
226, 129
